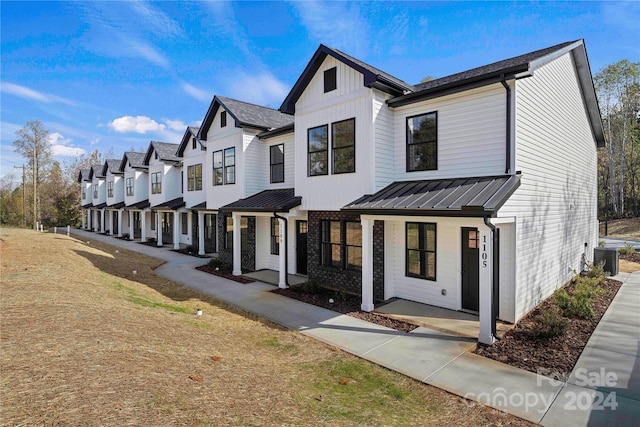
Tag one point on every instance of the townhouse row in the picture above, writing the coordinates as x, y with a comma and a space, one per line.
473, 192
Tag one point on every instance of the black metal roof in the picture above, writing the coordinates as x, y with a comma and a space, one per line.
166, 152
440, 197
373, 77
199, 206
101, 206
171, 204
87, 206
140, 205
135, 159
266, 201
118, 205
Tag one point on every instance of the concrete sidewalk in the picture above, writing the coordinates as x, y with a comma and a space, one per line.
440, 359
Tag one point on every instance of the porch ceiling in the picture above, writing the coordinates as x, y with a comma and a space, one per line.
468, 197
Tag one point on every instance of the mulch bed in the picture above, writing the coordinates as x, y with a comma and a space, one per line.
634, 257
344, 304
225, 274
550, 356
190, 253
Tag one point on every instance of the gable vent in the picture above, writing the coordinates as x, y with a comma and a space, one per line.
330, 81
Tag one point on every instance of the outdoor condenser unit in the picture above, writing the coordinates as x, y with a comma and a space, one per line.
610, 258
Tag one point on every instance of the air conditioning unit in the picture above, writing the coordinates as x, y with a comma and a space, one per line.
610, 258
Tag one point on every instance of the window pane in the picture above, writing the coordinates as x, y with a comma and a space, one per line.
318, 163
422, 129
422, 156
334, 233
354, 234
277, 173
354, 257
217, 159
413, 239
344, 133
277, 154
335, 256
344, 160
413, 262
431, 237
318, 138
230, 157
230, 174
431, 263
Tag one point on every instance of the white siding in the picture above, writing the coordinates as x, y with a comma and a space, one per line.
264, 258
254, 164
193, 157
289, 162
471, 134
507, 305
384, 168
556, 202
102, 191
348, 81
118, 188
220, 195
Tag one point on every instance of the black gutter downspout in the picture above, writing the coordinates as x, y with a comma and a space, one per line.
286, 248
507, 169
495, 276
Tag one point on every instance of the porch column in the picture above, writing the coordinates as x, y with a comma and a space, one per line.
237, 250
143, 226
84, 212
158, 220
200, 233
104, 222
131, 231
176, 229
282, 280
120, 212
485, 285
94, 219
367, 265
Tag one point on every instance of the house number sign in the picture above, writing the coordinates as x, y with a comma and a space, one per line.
484, 254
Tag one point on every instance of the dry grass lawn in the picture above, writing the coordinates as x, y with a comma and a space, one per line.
626, 228
84, 341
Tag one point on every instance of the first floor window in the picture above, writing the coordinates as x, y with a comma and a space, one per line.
275, 236
185, 222
228, 233
129, 185
330, 241
153, 220
341, 244
353, 245
317, 150
421, 250
276, 161
422, 142
156, 183
343, 142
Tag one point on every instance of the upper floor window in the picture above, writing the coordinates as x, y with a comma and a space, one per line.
275, 236
224, 166
421, 250
156, 183
330, 80
276, 161
84, 192
184, 217
194, 177
422, 142
110, 189
318, 148
343, 144
129, 186
193, 143
223, 119
95, 191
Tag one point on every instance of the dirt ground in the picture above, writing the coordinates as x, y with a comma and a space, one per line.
626, 228
86, 341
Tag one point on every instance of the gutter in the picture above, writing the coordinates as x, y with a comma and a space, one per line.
495, 276
507, 169
286, 247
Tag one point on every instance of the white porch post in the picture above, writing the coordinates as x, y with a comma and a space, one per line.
200, 233
176, 229
143, 226
282, 280
486, 286
104, 220
131, 231
237, 250
84, 212
367, 265
120, 214
158, 220
94, 219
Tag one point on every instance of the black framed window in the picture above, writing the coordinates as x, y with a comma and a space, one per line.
421, 250
343, 146
276, 162
330, 80
353, 245
317, 149
95, 191
184, 217
230, 165
330, 241
244, 234
198, 176
223, 119
153, 220
109, 188
129, 182
218, 169
156, 183
194, 177
193, 143
228, 233
84, 192
422, 142
275, 236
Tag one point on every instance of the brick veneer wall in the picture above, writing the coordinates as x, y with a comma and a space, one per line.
248, 262
335, 278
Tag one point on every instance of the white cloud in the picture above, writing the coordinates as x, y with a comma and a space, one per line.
138, 124
176, 124
155, 20
61, 146
198, 94
27, 93
263, 89
146, 51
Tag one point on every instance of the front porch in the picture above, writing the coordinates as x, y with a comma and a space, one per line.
273, 277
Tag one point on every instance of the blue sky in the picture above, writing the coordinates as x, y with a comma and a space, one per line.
115, 75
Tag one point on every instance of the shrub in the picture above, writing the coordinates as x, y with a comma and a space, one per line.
311, 287
597, 270
549, 323
627, 249
561, 298
588, 286
220, 265
580, 305
125, 236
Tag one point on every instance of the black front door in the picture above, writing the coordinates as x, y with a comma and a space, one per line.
209, 232
301, 247
167, 227
470, 268
137, 227
114, 220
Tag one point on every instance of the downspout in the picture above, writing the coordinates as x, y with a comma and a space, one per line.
495, 276
507, 169
286, 248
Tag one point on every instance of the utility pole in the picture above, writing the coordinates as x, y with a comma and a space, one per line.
24, 195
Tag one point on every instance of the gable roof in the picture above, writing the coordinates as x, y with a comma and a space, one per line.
166, 152
111, 165
96, 170
372, 77
83, 175
135, 159
244, 114
191, 132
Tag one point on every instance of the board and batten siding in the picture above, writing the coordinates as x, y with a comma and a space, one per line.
316, 108
264, 258
289, 161
194, 197
471, 134
384, 160
556, 203
102, 190
253, 163
220, 195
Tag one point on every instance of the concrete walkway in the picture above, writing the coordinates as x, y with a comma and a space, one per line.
443, 360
